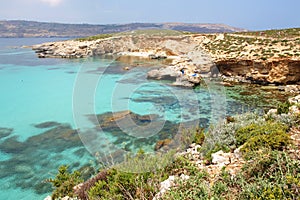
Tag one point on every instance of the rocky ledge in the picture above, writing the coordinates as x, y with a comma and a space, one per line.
241, 57
188, 62
276, 71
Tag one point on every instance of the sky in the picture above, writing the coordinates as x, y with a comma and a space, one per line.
248, 14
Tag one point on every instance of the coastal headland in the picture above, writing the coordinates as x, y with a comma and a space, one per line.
265, 57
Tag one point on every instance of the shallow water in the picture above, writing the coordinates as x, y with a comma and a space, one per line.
34, 91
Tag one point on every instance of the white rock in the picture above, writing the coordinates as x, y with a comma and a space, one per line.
48, 198
294, 110
237, 153
272, 112
295, 100
164, 187
189, 150
206, 41
220, 158
77, 187
192, 145
292, 88
184, 177
197, 147
220, 37
167, 184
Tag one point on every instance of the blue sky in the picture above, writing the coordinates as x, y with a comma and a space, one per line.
249, 14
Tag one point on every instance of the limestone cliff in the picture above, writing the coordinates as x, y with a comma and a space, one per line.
278, 71
258, 59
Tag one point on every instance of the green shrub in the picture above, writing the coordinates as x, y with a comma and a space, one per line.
266, 135
199, 136
271, 175
64, 182
196, 187
179, 166
143, 162
283, 107
222, 135
122, 185
219, 188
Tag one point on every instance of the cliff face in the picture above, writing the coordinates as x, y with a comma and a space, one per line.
278, 71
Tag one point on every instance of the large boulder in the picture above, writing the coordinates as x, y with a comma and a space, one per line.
177, 76
167, 73
221, 158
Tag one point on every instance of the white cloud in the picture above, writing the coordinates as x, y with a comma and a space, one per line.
52, 2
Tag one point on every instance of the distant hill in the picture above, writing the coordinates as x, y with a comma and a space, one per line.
19, 28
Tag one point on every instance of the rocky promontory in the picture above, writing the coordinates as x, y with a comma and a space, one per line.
188, 62
271, 57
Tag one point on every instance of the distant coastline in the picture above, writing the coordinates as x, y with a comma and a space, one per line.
21, 28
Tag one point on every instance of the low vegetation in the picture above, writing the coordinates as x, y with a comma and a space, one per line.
276, 33
64, 182
283, 108
95, 37
270, 175
153, 32
259, 45
149, 32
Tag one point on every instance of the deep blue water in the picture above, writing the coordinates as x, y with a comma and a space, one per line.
66, 92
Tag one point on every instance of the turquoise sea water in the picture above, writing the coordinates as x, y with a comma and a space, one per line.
36, 90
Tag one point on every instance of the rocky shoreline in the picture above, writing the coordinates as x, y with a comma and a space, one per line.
192, 58
231, 162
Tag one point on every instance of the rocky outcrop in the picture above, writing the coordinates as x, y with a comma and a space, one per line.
193, 57
188, 60
176, 75
278, 71
168, 184
167, 73
4, 132
153, 47
231, 161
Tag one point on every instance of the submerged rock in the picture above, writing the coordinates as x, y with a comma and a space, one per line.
110, 121
138, 135
47, 125
12, 145
36, 155
4, 132
162, 144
